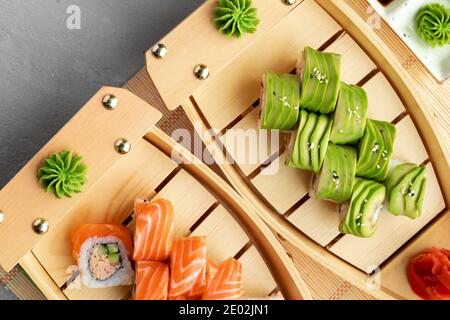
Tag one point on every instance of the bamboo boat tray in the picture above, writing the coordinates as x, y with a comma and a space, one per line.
155, 167
228, 100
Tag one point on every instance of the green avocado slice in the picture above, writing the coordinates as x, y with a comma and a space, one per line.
413, 194
370, 210
388, 132
112, 247
323, 144
354, 205
321, 80
293, 152
397, 174
305, 137
315, 141
350, 117
370, 152
336, 178
396, 198
280, 101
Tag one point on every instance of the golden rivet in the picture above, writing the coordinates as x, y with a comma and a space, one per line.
159, 51
2, 216
122, 146
201, 72
289, 2
40, 226
110, 102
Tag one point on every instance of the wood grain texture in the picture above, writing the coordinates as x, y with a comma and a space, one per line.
281, 185
186, 50
256, 275
392, 232
225, 236
318, 219
110, 201
91, 133
190, 201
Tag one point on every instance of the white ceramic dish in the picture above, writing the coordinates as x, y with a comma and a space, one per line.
400, 15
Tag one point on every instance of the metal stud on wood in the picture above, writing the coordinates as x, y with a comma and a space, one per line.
122, 146
40, 226
159, 51
110, 102
201, 72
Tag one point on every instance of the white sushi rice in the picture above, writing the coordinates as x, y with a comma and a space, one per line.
123, 276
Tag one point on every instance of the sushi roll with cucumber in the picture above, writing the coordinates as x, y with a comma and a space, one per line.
375, 150
406, 186
336, 178
309, 145
103, 253
360, 215
280, 101
350, 117
321, 79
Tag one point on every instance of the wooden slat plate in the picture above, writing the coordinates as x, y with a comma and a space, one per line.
384, 103
91, 133
190, 201
110, 201
392, 232
281, 185
256, 276
318, 219
224, 235
187, 50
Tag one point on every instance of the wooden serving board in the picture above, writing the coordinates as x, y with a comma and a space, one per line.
156, 167
399, 90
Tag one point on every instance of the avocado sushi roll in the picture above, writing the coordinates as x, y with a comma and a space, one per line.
280, 101
309, 144
336, 178
360, 215
103, 253
375, 150
350, 117
406, 186
321, 80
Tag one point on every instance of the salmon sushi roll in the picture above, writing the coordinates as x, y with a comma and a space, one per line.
152, 280
103, 253
187, 265
198, 289
154, 229
227, 282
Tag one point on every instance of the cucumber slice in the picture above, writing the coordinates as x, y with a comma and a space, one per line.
350, 117
412, 196
112, 247
336, 178
280, 101
320, 80
102, 250
114, 258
